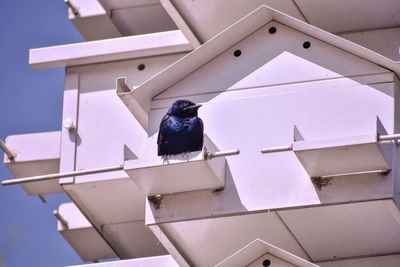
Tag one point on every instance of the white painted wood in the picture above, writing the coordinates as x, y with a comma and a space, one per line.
274, 260
103, 206
167, 243
344, 155
256, 179
81, 235
383, 41
133, 240
182, 72
93, 20
325, 231
164, 261
180, 22
387, 261
69, 136
120, 4
254, 253
342, 16
340, 156
208, 18
36, 154
181, 173
219, 238
103, 117
109, 50
140, 19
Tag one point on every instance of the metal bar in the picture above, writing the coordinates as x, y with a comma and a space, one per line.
61, 175
42, 198
382, 172
72, 7
276, 149
6, 150
63, 221
389, 137
223, 153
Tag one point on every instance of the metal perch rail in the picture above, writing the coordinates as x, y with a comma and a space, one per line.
99, 170
61, 175
381, 138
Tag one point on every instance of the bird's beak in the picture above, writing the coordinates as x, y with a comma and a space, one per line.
193, 107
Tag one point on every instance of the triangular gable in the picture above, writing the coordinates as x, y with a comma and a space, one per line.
261, 250
348, 60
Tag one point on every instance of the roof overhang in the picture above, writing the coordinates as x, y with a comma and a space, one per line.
138, 99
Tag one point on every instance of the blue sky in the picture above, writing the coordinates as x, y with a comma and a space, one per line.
31, 101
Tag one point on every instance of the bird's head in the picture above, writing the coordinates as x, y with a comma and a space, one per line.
184, 108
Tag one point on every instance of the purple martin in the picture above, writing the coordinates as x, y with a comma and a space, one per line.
181, 130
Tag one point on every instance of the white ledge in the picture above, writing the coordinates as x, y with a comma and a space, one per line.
109, 50
181, 173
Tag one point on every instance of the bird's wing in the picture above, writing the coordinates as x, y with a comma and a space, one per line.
161, 130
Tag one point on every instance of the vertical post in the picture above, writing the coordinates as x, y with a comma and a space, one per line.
70, 123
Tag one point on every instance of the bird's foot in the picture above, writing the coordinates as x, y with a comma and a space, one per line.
165, 159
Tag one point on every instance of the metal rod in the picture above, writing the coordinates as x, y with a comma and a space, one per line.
223, 153
42, 198
389, 137
61, 175
72, 7
383, 172
6, 150
63, 221
276, 149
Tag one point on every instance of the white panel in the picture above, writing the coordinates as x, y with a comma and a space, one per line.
109, 50
223, 236
274, 261
69, 136
325, 232
105, 124
187, 172
109, 201
385, 41
271, 60
117, 4
140, 20
36, 154
88, 8
387, 261
75, 218
81, 235
209, 17
133, 240
343, 15
88, 244
250, 123
341, 156
96, 27
258, 251
161, 261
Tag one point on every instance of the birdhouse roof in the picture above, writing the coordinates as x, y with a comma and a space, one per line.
259, 248
146, 92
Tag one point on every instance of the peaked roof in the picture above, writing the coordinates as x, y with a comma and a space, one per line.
144, 93
259, 248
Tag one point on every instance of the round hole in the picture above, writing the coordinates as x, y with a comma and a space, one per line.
237, 53
272, 30
141, 67
306, 45
266, 263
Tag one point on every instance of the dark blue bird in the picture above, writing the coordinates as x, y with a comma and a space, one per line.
181, 131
